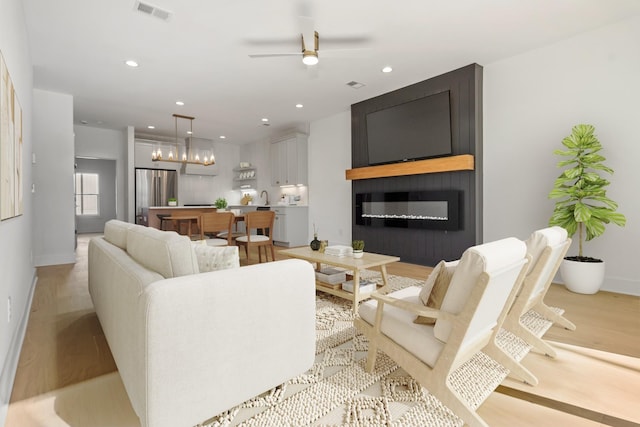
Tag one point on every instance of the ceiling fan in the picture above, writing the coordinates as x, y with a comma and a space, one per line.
310, 56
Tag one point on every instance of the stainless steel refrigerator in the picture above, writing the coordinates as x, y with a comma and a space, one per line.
154, 187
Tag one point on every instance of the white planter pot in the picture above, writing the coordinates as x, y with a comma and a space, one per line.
582, 277
357, 254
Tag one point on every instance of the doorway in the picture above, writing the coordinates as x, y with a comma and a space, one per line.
95, 194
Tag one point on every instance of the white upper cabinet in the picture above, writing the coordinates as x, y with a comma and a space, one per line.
289, 160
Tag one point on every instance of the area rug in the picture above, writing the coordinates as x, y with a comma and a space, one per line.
337, 391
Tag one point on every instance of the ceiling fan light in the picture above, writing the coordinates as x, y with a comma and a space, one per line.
309, 58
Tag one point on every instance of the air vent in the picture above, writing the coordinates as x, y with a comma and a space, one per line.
151, 10
355, 85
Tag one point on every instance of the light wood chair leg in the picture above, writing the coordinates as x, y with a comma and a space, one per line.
515, 368
554, 317
372, 354
273, 253
531, 339
259, 255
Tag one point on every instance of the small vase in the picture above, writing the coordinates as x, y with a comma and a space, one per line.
315, 243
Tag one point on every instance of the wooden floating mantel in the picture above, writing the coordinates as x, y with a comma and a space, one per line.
441, 164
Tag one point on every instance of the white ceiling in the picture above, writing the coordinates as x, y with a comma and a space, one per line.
200, 55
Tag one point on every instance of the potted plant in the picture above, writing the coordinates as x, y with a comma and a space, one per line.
582, 205
173, 202
220, 204
358, 248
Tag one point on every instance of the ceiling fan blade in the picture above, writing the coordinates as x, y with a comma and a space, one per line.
271, 55
316, 41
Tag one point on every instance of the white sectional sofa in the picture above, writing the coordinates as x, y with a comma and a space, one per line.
191, 344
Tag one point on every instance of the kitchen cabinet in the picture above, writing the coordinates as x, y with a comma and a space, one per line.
291, 226
288, 157
244, 178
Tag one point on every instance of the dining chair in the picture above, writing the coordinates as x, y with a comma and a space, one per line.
481, 290
254, 221
214, 223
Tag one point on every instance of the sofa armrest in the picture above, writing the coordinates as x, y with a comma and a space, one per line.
214, 340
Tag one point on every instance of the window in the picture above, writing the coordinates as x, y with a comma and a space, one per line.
87, 194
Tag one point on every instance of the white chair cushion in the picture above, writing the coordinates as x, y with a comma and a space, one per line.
217, 242
487, 257
165, 252
398, 325
115, 232
540, 239
254, 238
216, 258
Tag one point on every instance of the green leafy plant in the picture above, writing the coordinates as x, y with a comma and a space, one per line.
357, 245
580, 189
171, 199
221, 203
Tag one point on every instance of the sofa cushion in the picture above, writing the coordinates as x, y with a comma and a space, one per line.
165, 252
487, 257
435, 288
212, 258
115, 232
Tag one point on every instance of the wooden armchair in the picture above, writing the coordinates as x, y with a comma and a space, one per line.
547, 248
215, 223
254, 221
482, 288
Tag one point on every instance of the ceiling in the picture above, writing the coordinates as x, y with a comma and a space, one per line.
200, 55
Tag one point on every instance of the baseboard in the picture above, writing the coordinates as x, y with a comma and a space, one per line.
8, 374
621, 286
56, 259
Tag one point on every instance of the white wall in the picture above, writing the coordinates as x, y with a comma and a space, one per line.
329, 191
110, 145
18, 274
531, 102
54, 206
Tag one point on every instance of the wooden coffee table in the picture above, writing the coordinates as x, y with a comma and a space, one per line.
368, 260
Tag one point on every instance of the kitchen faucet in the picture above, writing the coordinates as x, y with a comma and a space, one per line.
265, 192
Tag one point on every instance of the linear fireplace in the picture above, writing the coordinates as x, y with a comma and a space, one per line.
436, 210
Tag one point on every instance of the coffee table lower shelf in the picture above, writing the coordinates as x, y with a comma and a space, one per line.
339, 292
356, 265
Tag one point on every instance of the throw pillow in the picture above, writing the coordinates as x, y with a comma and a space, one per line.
211, 258
435, 289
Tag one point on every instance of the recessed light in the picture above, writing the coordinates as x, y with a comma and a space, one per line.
299, 105
189, 132
151, 127
222, 137
131, 63
179, 103
265, 119
387, 69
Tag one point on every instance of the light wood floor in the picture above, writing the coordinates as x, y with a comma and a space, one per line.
595, 377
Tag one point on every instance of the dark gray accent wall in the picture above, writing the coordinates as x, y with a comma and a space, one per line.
427, 247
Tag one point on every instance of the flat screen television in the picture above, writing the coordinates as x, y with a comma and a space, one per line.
415, 130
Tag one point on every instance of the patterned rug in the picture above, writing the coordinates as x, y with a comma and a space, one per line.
338, 392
